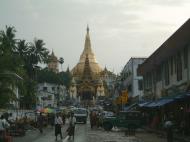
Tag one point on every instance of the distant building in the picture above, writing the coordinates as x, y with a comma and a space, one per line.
15, 103
131, 81
50, 95
53, 63
109, 79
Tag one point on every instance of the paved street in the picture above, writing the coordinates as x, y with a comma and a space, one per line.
84, 133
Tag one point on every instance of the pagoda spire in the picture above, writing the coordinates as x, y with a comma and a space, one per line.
87, 48
87, 29
87, 70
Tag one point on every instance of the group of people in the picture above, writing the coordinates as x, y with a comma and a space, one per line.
95, 119
59, 121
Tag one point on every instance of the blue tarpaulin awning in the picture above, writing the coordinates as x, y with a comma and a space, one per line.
157, 103
165, 101
143, 104
130, 107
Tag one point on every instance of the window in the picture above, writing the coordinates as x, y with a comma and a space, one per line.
179, 67
129, 88
44, 88
140, 84
166, 73
171, 65
185, 57
175, 63
53, 88
158, 74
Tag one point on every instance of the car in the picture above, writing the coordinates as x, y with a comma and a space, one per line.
107, 114
81, 115
124, 119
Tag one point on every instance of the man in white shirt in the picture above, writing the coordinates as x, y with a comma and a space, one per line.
58, 123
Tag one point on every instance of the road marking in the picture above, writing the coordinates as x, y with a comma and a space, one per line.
66, 138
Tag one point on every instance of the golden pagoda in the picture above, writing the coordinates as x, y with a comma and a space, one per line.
89, 76
77, 71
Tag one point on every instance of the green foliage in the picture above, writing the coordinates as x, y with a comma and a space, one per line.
21, 58
48, 76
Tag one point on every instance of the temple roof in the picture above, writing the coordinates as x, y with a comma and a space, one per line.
78, 69
52, 57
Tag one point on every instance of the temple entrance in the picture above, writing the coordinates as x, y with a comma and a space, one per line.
86, 95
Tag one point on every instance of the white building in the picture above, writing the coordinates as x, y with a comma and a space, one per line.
130, 81
167, 71
15, 90
49, 95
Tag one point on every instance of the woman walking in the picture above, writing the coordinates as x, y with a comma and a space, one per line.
58, 123
71, 129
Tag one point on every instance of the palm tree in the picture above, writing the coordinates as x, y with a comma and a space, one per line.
22, 48
39, 52
7, 39
61, 61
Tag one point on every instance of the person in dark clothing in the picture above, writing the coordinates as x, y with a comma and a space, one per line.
63, 118
93, 119
40, 122
169, 126
71, 128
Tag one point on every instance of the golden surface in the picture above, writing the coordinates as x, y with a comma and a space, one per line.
95, 68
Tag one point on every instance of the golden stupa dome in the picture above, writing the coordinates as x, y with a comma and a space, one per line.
95, 68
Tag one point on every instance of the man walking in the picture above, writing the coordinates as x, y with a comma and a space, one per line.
58, 123
40, 122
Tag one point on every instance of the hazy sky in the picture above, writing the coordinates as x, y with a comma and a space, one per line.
119, 29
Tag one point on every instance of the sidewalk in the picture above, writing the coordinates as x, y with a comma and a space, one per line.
163, 133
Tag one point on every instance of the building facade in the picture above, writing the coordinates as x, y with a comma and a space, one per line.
50, 95
131, 81
166, 81
53, 63
167, 71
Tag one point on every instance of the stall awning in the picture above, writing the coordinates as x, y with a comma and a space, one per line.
143, 104
131, 107
159, 103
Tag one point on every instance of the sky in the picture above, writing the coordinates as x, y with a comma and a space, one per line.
119, 29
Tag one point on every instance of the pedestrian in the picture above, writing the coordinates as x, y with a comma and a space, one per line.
40, 122
169, 126
3, 127
58, 124
93, 119
71, 128
63, 118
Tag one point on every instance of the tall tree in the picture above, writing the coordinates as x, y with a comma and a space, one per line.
37, 54
9, 62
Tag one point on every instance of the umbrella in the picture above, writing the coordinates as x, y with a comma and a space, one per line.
48, 110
